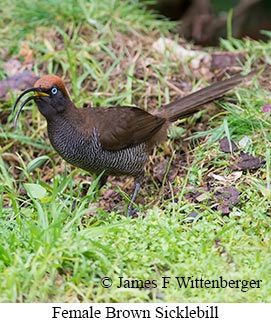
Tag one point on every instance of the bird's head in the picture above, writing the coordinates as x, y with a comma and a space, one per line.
50, 95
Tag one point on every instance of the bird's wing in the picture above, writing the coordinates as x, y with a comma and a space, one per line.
123, 127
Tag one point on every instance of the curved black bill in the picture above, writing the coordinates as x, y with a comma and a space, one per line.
35, 89
21, 108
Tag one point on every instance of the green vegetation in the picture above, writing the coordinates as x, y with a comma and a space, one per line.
57, 237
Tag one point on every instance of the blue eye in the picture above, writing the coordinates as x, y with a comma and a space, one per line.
54, 90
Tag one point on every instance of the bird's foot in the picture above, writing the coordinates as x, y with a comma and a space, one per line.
131, 212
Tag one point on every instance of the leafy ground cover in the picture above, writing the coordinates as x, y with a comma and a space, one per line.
59, 236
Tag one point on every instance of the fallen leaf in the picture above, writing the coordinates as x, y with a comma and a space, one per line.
20, 81
197, 194
224, 208
160, 171
230, 178
223, 60
244, 142
109, 194
26, 53
226, 146
4, 114
226, 197
246, 161
192, 216
203, 196
221, 198
13, 66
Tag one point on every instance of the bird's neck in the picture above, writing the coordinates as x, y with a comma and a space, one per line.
71, 127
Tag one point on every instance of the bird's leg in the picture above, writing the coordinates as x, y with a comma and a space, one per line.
131, 211
102, 181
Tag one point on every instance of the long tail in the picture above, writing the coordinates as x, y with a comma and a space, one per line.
191, 103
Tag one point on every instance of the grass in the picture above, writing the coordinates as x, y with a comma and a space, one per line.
57, 237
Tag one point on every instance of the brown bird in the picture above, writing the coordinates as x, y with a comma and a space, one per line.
114, 140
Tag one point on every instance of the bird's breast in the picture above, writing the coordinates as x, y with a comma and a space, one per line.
87, 152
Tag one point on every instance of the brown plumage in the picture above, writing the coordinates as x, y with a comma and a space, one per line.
115, 140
